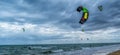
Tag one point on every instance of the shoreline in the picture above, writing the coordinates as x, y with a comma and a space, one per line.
104, 50
115, 53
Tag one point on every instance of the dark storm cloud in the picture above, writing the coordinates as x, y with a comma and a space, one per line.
52, 12
109, 17
46, 5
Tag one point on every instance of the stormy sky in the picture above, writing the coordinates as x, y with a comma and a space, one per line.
57, 21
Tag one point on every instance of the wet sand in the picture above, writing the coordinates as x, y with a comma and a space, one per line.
115, 53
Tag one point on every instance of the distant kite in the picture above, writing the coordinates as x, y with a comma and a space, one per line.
82, 30
100, 7
87, 38
23, 29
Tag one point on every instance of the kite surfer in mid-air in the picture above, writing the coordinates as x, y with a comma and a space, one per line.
84, 15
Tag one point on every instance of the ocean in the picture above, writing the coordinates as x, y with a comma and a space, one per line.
46, 49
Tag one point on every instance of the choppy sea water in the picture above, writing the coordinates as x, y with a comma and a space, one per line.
46, 49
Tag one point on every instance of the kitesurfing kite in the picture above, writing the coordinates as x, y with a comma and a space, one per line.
87, 38
84, 15
83, 30
23, 29
100, 7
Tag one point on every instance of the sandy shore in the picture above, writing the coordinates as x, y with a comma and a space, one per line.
115, 53
104, 50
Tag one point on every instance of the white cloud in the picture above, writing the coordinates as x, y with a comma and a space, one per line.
13, 14
8, 30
